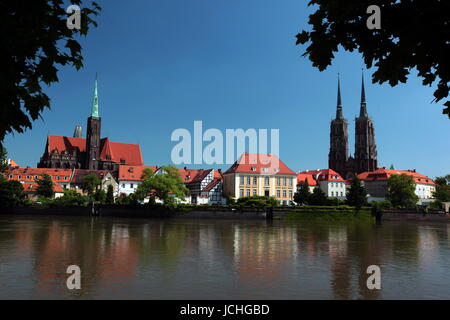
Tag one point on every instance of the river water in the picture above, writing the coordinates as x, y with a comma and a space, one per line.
211, 259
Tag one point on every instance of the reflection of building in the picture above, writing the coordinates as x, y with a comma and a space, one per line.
259, 254
256, 175
376, 184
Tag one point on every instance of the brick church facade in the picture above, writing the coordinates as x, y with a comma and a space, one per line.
365, 157
92, 153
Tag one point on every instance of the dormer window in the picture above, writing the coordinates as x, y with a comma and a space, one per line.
253, 168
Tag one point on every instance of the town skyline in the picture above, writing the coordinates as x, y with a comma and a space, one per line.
145, 100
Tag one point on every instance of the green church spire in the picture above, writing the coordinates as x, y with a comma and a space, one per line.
94, 113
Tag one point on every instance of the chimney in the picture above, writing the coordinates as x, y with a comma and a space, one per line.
219, 170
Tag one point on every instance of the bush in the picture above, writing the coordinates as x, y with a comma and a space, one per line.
257, 202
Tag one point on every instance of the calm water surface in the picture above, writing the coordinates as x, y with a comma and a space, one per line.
178, 259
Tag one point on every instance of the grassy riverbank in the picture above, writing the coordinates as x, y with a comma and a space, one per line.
330, 213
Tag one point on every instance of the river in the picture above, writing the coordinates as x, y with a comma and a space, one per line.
221, 259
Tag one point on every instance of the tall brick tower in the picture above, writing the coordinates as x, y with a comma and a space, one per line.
365, 146
93, 135
338, 155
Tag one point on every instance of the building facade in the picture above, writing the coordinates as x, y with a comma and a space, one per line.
251, 175
376, 183
328, 180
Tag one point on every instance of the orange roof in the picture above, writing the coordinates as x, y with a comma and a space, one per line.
323, 175
301, 177
68, 144
133, 173
193, 175
12, 164
32, 187
260, 164
385, 174
30, 174
122, 153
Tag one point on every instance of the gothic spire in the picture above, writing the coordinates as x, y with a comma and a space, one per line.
363, 111
94, 113
339, 114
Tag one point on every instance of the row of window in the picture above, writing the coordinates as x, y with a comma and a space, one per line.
37, 177
252, 180
253, 192
338, 184
337, 194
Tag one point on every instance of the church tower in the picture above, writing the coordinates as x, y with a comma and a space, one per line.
93, 135
365, 146
338, 155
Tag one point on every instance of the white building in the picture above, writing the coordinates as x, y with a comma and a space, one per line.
328, 180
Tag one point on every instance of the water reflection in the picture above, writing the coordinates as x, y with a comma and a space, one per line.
154, 259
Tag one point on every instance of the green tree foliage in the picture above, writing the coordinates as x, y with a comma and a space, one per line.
303, 194
11, 193
165, 185
110, 195
257, 202
401, 191
45, 187
318, 198
357, 194
3, 159
442, 192
100, 196
394, 50
71, 198
35, 40
91, 183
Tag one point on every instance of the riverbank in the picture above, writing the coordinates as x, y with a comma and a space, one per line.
319, 213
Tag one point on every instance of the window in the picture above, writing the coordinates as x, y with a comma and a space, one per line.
35, 177
28, 177
249, 180
278, 194
242, 180
285, 182
290, 194
253, 168
241, 192
254, 192
342, 194
248, 193
332, 193
20, 177
278, 181
123, 185
266, 181
131, 185
255, 181
290, 182
284, 194
10, 176
57, 177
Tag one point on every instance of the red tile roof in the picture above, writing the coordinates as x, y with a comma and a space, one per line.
30, 174
323, 175
79, 174
385, 174
211, 185
12, 164
259, 164
122, 153
133, 173
301, 177
32, 187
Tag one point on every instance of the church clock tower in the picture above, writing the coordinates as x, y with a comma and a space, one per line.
338, 155
93, 135
365, 146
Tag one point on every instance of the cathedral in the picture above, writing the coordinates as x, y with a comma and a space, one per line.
92, 153
365, 157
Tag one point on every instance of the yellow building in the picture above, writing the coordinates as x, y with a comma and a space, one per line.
260, 175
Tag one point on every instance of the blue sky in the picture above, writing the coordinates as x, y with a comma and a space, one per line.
163, 64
